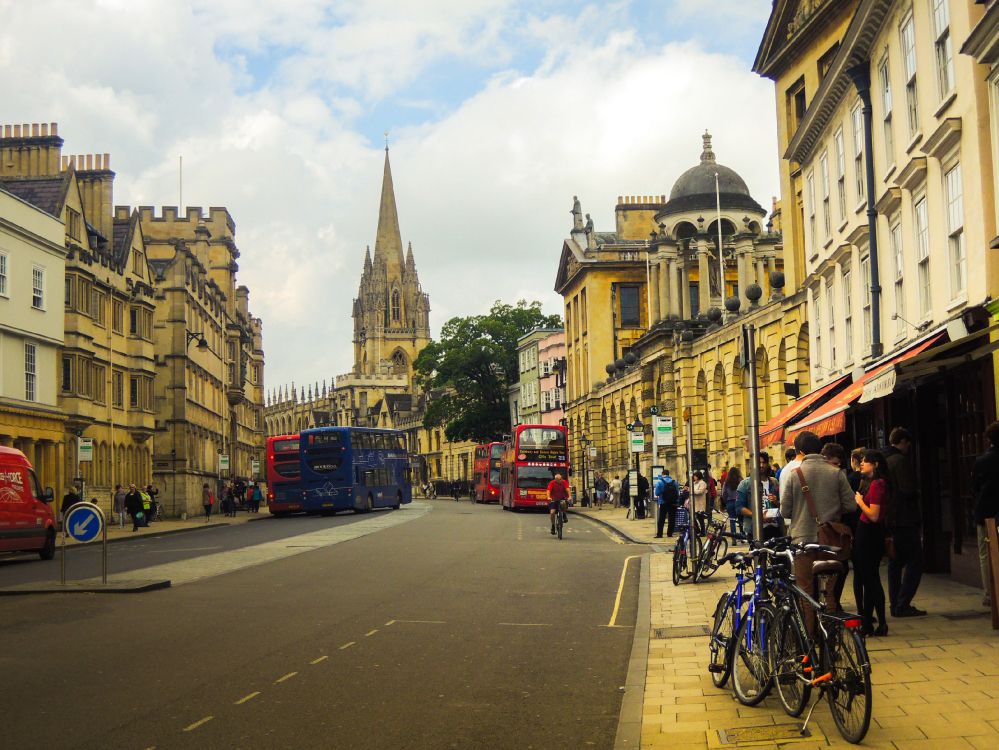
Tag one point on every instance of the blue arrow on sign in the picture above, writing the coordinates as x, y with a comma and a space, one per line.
84, 521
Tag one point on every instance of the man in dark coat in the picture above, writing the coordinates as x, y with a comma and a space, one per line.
133, 504
985, 487
903, 522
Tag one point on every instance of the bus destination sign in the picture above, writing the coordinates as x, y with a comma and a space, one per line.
550, 455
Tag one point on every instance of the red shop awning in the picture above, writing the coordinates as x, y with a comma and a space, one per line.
773, 431
830, 418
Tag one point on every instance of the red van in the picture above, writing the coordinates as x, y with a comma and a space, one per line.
27, 523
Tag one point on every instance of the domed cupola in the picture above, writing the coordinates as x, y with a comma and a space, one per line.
695, 188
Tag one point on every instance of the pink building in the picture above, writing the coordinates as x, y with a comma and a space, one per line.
551, 377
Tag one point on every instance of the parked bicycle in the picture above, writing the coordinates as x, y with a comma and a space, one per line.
834, 659
713, 548
727, 618
687, 548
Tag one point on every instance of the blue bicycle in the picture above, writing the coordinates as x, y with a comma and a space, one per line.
687, 549
727, 619
752, 663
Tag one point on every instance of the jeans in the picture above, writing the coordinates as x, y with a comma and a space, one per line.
906, 570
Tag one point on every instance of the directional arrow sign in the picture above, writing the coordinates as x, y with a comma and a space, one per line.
84, 521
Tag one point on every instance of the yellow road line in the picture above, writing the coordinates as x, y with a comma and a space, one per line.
321, 658
286, 677
528, 624
246, 698
347, 645
368, 635
198, 723
620, 589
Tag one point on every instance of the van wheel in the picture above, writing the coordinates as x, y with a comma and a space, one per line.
48, 551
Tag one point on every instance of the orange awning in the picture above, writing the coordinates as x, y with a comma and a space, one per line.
773, 431
830, 418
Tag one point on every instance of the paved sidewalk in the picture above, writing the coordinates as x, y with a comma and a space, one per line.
638, 531
935, 677
169, 526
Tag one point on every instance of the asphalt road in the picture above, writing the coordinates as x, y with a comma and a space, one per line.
465, 627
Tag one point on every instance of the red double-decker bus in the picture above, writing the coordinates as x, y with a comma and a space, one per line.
486, 467
535, 454
284, 473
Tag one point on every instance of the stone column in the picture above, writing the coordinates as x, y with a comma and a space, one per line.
675, 300
655, 314
759, 271
704, 278
743, 280
50, 464
663, 290
685, 310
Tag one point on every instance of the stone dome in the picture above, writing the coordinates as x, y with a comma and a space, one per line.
695, 188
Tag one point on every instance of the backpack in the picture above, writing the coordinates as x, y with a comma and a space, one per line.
669, 493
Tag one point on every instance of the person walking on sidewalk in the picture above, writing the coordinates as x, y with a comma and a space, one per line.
985, 487
615, 492
118, 503
903, 523
667, 497
600, 488
207, 500
731, 501
133, 504
699, 493
256, 498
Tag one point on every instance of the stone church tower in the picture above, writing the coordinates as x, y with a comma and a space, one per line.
391, 313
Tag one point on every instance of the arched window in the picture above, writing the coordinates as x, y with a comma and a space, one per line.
396, 310
399, 362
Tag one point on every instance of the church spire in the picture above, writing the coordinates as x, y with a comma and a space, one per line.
388, 240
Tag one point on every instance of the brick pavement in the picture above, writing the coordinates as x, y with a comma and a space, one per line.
934, 678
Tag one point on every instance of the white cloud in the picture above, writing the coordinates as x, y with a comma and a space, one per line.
597, 109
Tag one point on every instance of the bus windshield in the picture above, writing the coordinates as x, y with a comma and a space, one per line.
290, 445
541, 437
535, 477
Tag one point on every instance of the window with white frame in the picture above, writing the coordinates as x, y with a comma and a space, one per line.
942, 47
895, 237
30, 371
920, 224
859, 173
824, 173
811, 213
831, 310
840, 172
817, 315
848, 313
38, 288
865, 279
886, 109
907, 38
955, 231
3, 274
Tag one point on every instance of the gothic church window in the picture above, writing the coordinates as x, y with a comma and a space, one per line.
399, 363
395, 305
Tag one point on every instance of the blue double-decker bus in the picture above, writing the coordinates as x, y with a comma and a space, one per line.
354, 468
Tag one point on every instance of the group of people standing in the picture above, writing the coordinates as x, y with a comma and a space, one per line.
235, 494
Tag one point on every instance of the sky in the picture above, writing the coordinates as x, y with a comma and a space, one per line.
498, 113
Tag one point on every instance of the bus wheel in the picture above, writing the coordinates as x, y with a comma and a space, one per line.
369, 505
398, 500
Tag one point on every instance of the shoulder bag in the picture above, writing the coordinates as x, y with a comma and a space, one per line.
830, 533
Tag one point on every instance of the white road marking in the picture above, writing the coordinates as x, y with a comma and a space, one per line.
425, 622
198, 723
220, 563
390, 622
347, 645
528, 624
246, 698
368, 635
288, 676
321, 658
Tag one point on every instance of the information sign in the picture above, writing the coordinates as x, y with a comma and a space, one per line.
637, 441
223, 462
83, 522
254, 466
663, 427
84, 449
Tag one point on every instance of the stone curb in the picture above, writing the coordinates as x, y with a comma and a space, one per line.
629, 726
607, 524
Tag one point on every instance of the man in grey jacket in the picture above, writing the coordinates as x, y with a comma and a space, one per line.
832, 496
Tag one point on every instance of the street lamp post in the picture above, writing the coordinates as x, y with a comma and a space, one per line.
586, 447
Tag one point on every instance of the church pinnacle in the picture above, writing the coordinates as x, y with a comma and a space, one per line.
388, 240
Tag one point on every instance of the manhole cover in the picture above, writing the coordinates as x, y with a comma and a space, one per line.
681, 631
771, 733
970, 615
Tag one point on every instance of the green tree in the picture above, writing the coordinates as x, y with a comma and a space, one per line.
470, 369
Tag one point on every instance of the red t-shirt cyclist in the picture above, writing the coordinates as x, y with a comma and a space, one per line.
558, 491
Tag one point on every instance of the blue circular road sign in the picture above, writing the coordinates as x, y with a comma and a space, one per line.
83, 522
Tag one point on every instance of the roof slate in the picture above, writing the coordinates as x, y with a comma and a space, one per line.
47, 193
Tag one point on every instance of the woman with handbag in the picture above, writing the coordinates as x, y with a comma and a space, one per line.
870, 541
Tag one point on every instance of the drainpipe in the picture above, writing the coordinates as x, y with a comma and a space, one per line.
860, 74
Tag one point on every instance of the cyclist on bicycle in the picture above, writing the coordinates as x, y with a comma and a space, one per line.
558, 493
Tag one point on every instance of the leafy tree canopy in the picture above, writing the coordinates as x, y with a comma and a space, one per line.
472, 366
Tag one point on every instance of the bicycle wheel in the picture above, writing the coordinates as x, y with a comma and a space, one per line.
558, 524
751, 668
849, 690
710, 565
693, 552
679, 551
719, 663
789, 657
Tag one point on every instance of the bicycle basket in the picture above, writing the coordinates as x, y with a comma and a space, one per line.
682, 517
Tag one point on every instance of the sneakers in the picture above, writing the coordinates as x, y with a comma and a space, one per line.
553, 530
